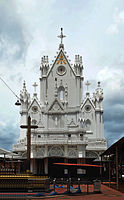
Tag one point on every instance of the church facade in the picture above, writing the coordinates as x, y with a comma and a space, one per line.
70, 125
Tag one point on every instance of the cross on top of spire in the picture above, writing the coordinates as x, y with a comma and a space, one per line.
61, 36
35, 85
87, 84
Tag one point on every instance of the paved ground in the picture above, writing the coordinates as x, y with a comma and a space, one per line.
120, 186
107, 194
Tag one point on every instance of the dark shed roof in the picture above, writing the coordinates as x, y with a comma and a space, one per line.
112, 148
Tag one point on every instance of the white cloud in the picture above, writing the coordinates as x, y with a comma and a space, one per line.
118, 19
112, 78
112, 29
2, 124
8, 47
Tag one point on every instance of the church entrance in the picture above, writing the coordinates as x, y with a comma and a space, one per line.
60, 171
72, 172
55, 171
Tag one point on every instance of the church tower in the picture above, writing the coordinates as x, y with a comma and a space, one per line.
61, 78
70, 126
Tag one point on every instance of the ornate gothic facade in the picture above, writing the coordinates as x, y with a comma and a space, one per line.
70, 125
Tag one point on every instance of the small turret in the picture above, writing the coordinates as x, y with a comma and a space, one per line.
97, 100
24, 96
98, 97
25, 101
99, 91
44, 65
78, 66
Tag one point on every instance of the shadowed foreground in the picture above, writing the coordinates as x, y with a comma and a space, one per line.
107, 193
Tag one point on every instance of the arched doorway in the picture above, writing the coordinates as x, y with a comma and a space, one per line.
55, 171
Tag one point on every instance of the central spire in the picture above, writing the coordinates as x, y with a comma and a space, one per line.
61, 36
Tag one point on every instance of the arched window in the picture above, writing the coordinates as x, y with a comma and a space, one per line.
88, 125
61, 93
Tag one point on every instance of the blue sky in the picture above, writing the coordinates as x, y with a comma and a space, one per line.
94, 29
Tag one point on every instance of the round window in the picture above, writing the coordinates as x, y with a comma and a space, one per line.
61, 70
87, 108
35, 108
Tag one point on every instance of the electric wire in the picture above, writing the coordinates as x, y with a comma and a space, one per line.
9, 88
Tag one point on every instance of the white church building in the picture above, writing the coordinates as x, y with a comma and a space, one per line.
70, 125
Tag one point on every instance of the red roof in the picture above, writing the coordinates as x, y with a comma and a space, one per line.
80, 165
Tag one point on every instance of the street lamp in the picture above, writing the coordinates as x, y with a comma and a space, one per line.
17, 103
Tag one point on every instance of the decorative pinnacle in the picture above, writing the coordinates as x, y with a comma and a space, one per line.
24, 85
99, 84
61, 36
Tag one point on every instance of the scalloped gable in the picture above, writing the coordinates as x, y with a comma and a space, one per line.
58, 61
56, 106
85, 101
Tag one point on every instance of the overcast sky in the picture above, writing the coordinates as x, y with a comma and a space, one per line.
94, 29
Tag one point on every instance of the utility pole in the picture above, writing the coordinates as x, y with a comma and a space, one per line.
117, 166
28, 127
